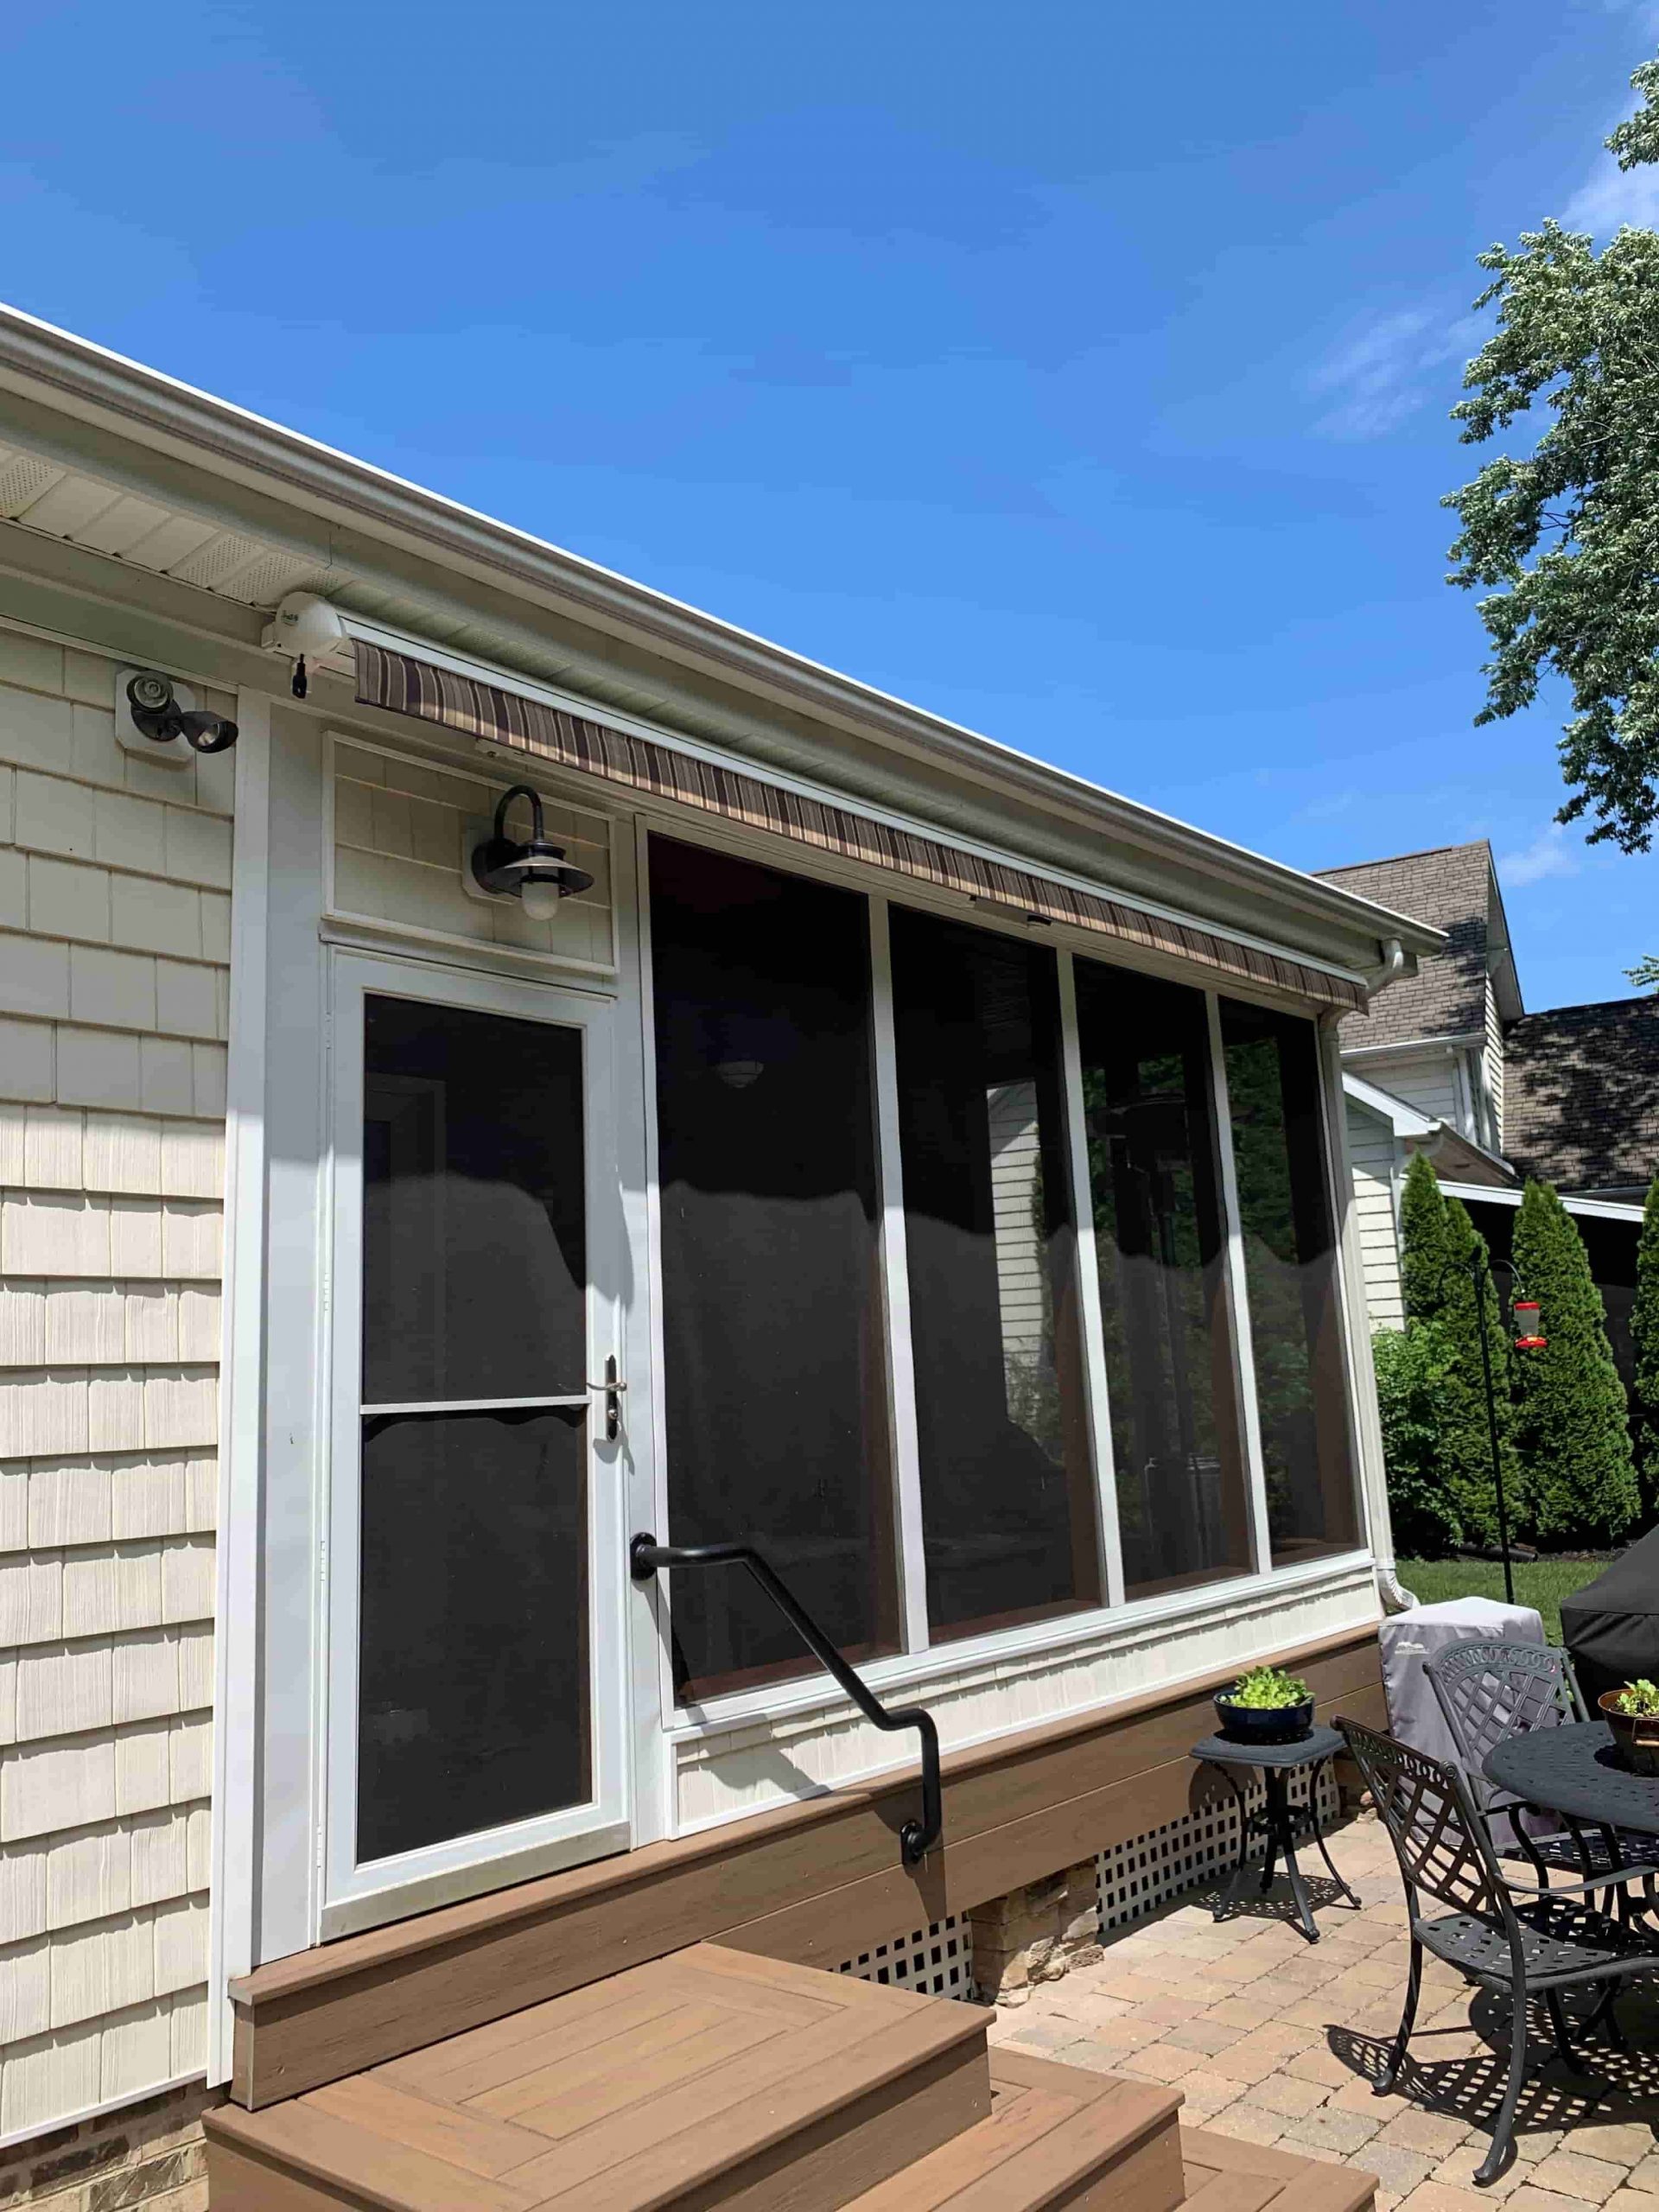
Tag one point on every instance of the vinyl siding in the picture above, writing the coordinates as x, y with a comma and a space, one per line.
1425, 1080
114, 938
1372, 1151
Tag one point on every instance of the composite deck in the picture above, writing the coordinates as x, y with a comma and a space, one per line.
716, 2078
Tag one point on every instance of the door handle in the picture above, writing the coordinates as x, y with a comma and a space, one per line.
612, 1386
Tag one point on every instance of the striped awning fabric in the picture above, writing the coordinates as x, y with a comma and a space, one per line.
409, 686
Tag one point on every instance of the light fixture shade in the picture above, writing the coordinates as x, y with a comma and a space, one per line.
535, 872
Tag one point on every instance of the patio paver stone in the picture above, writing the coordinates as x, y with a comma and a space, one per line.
1275, 2041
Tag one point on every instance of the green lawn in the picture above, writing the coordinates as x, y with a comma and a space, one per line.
1543, 1583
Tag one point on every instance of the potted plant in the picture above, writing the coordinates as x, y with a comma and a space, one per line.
1266, 1705
1632, 1713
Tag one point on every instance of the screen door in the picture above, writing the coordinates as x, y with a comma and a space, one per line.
475, 1683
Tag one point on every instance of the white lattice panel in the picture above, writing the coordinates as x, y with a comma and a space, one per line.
1147, 1871
935, 1962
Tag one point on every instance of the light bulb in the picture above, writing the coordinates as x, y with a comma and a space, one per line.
541, 901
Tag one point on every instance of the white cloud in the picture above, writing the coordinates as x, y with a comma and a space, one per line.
1549, 855
1381, 374
1611, 196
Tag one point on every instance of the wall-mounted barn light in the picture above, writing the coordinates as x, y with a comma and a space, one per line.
538, 873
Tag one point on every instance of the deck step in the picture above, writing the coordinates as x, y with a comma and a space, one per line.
710, 2077
1057, 2136
1225, 2176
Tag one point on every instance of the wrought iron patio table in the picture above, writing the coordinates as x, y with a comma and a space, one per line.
1279, 1820
1573, 1771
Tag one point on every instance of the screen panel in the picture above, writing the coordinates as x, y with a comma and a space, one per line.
776, 1382
1289, 1226
1007, 1484
1160, 1255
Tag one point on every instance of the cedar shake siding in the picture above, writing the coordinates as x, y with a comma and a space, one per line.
114, 944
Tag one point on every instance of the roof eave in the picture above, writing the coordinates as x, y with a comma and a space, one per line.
90, 382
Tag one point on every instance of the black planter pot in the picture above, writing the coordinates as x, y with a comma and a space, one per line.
1256, 1724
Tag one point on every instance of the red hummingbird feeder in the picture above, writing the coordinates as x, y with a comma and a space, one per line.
1526, 1322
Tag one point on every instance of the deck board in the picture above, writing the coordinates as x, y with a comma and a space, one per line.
811, 1883
694, 2079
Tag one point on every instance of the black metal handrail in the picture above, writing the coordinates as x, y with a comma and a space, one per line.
916, 1838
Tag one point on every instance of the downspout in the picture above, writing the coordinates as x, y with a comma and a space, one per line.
1393, 962
1396, 1598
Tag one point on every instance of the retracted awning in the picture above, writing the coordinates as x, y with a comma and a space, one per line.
406, 685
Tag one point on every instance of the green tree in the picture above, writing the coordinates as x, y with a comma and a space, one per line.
1413, 1365
1574, 1434
1644, 1337
1425, 1246
1438, 1247
1566, 540
1645, 974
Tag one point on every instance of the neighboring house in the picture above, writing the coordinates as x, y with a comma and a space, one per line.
1449, 1063
839, 1134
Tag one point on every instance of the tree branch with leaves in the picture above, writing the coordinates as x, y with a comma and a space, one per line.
1563, 542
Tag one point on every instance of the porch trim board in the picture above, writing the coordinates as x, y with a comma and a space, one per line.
810, 1882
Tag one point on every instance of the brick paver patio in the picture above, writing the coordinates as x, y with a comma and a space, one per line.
1276, 2040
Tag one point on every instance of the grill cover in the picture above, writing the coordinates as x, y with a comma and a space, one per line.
1611, 1625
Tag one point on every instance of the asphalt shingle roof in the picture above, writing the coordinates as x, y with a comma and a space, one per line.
1449, 888
1581, 1094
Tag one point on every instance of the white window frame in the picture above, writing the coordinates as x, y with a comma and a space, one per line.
354, 1895
923, 1661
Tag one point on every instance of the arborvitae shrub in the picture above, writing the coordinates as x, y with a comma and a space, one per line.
1411, 1365
1438, 1245
1644, 1337
1572, 1428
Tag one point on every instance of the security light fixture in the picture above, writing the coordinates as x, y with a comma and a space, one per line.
155, 709
536, 872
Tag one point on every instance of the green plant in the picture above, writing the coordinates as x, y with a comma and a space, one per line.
1411, 1365
1267, 1690
1440, 1246
1561, 539
1573, 1426
1644, 1339
1640, 1696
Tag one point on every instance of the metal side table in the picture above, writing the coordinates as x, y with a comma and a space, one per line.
1279, 1820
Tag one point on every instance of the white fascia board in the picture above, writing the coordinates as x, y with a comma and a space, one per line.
1405, 1121
504, 679
79, 379
1596, 1209
1471, 1041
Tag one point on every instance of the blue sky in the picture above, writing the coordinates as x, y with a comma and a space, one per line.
1079, 372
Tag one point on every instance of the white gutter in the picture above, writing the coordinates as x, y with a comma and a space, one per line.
1405, 1121
91, 382
1597, 1209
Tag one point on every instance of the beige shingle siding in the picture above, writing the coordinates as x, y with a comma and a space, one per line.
1372, 1153
114, 940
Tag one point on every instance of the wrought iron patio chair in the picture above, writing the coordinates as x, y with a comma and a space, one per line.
1490, 1691
1501, 1935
